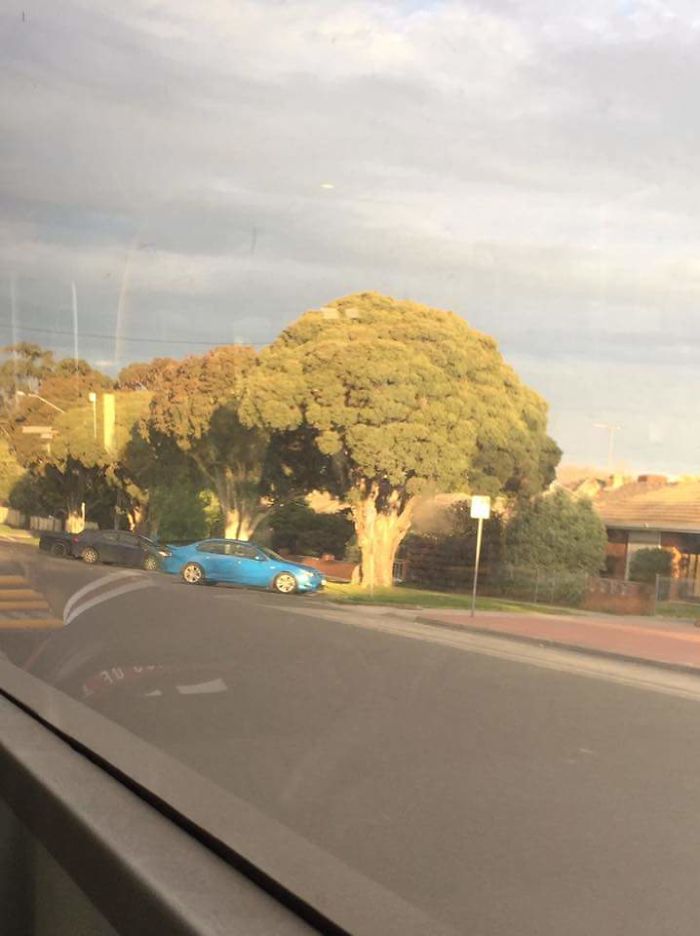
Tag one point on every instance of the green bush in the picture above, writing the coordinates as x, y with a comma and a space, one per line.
646, 564
555, 532
298, 529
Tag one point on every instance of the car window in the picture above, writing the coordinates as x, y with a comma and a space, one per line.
217, 548
128, 539
241, 550
109, 537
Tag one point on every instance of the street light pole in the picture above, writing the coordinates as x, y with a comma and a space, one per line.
611, 439
22, 393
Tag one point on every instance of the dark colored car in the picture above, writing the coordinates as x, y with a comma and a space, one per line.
58, 544
115, 546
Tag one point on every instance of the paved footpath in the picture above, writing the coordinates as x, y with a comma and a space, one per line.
657, 640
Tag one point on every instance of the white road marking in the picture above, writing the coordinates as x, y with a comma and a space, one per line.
93, 586
74, 610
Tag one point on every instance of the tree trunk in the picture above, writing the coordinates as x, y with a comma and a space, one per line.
232, 523
240, 524
74, 521
379, 535
137, 517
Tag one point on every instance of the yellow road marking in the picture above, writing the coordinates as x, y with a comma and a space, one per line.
14, 594
38, 605
13, 580
30, 623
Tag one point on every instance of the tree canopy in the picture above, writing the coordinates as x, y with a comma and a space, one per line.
196, 404
400, 399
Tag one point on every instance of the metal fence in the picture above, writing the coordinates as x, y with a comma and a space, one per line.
678, 597
498, 580
535, 585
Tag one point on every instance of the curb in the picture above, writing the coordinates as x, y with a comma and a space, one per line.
557, 645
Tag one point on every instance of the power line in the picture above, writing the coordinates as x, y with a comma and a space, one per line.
140, 340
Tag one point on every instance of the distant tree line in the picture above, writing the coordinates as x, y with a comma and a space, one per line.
375, 401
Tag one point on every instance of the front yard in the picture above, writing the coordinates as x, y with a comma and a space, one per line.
403, 596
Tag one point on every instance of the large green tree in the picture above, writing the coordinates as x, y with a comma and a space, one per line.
399, 399
556, 533
63, 387
86, 455
196, 404
143, 375
24, 366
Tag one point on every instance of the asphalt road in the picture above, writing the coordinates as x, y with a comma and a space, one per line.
535, 794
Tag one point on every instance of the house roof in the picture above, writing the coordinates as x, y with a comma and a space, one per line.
652, 504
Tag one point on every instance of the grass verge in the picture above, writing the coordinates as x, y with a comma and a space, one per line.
15, 534
401, 595
678, 609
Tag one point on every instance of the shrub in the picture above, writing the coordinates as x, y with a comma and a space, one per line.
555, 532
300, 530
646, 564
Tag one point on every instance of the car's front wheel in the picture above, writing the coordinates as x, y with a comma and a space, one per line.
193, 574
151, 564
60, 550
285, 583
90, 555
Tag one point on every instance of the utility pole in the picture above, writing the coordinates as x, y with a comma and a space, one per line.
13, 313
74, 295
612, 429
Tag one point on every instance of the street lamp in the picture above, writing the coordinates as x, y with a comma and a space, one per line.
21, 393
611, 440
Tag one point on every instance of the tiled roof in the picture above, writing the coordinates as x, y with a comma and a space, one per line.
652, 505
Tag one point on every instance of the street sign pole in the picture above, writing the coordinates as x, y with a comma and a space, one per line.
476, 564
480, 510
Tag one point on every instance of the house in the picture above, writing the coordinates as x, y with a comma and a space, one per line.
649, 511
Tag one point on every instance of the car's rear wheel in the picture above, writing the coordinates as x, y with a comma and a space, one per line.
193, 574
285, 583
151, 564
60, 550
90, 555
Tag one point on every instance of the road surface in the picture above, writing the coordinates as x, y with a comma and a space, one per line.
499, 790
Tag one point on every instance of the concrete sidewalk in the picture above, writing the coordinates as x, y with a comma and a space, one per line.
669, 642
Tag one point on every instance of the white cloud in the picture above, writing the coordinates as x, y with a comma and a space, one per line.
532, 169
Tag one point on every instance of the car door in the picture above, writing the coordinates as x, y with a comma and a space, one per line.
245, 565
130, 550
211, 556
107, 545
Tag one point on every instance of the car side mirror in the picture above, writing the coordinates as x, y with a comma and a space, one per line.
261, 557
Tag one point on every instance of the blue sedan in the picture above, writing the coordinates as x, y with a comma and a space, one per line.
241, 563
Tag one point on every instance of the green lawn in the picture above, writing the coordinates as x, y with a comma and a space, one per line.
423, 598
678, 609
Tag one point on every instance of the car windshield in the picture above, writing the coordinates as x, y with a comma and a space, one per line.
404, 294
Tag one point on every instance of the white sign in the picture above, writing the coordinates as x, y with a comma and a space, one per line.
480, 507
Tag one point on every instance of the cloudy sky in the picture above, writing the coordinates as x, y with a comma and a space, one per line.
205, 172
